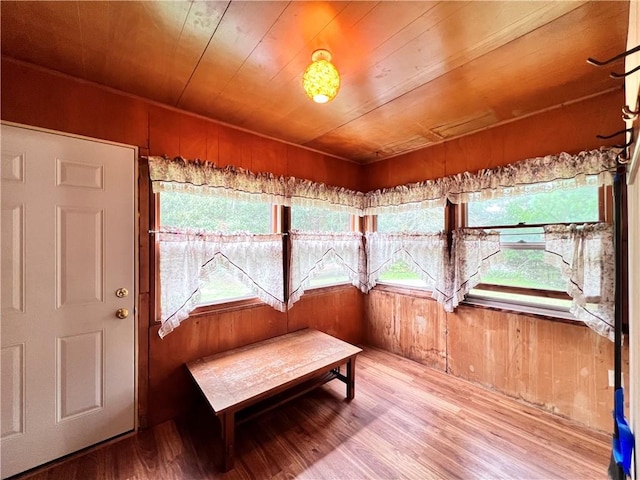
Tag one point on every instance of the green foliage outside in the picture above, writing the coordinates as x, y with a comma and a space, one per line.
213, 213
401, 273
219, 214
216, 214
523, 268
559, 206
520, 268
313, 219
223, 287
330, 274
422, 220
527, 268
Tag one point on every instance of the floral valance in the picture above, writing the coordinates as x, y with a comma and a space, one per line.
534, 175
204, 178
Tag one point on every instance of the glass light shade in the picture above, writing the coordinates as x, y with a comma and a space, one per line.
321, 79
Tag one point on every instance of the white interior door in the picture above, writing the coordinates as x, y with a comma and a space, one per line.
67, 247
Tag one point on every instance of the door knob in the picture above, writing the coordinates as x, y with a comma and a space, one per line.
122, 313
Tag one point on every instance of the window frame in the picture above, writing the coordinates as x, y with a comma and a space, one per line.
370, 224
280, 224
222, 306
605, 214
355, 225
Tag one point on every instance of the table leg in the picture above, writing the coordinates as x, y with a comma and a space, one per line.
351, 378
228, 440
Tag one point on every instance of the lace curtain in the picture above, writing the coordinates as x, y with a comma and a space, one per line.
585, 256
189, 257
473, 253
426, 254
310, 252
450, 275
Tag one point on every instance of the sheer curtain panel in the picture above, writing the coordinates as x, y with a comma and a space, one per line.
585, 255
189, 257
473, 253
311, 251
425, 253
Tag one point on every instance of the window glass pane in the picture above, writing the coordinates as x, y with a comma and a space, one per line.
421, 220
223, 287
216, 214
525, 268
400, 273
331, 273
559, 206
314, 219
523, 258
317, 219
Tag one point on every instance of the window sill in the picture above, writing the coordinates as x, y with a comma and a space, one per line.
324, 289
418, 292
537, 312
232, 306
556, 315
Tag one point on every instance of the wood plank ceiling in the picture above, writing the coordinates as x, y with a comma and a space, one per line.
413, 73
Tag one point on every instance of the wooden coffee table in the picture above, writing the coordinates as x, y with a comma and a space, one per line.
253, 379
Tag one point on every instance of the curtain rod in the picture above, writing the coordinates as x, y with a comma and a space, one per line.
153, 232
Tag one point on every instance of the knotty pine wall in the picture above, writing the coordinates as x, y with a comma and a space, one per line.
409, 325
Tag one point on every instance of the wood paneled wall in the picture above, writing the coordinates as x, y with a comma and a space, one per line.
571, 128
171, 390
408, 325
561, 367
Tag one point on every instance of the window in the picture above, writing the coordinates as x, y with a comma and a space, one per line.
216, 214
213, 213
317, 219
523, 275
418, 220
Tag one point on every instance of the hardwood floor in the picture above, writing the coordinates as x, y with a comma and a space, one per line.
406, 421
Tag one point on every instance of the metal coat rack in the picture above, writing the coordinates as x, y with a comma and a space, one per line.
618, 469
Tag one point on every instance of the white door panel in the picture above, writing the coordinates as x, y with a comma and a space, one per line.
67, 245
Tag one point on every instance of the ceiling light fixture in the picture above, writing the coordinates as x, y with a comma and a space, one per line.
321, 79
